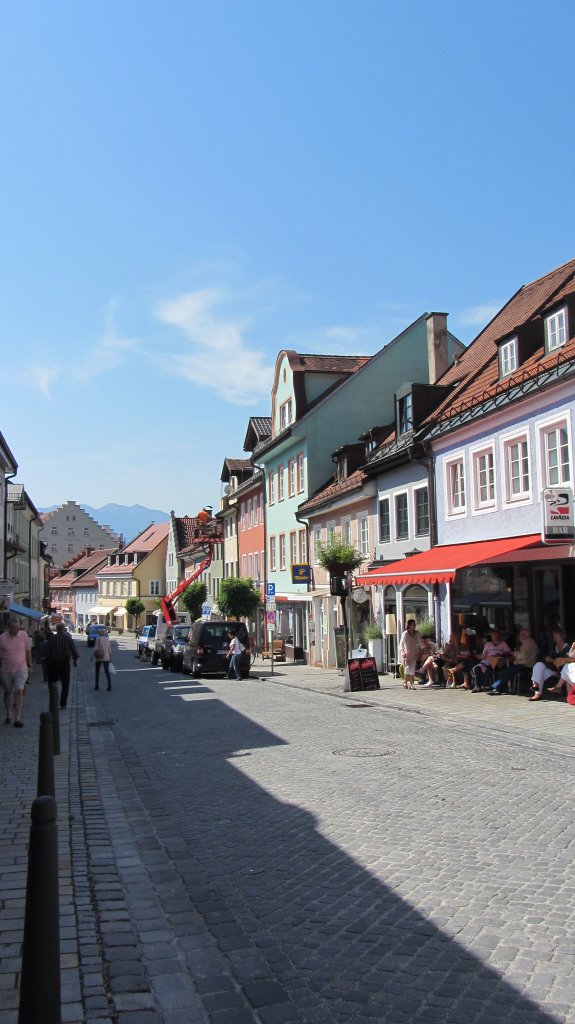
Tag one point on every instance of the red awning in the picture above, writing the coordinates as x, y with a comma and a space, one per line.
439, 564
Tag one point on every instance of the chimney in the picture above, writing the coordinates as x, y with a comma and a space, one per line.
437, 353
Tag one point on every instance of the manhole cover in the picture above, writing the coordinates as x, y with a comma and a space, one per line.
105, 721
362, 752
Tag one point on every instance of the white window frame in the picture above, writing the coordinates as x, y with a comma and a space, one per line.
330, 529
242, 516
317, 531
300, 473
256, 566
154, 588
291, 477
346, 530
293, 547
416, 532
244, 567
271, 488
400, 494
261, 509
556, 329
302, 546
250, 512
285, 414
544, 428
380, 501
282, 551
507, 442
273, 554
281, 482
508, 360
453, 509
478, 454
363, 534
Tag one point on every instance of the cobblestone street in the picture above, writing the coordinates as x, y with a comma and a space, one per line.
274, 850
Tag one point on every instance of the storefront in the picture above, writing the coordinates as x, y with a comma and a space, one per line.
506, 584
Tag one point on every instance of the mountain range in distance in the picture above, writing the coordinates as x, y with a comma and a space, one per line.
129, 520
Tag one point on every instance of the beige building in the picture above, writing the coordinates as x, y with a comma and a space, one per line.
69, 530
139, 570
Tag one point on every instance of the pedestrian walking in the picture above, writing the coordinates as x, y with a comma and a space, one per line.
15, 668
103, 656
60, 650
234, 654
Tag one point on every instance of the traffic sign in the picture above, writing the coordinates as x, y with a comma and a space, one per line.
206, 610
270, 604
271, 619
270, 590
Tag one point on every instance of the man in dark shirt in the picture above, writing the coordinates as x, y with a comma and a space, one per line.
60, 648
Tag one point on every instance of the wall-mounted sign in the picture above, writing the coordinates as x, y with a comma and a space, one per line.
558, 519
301, 573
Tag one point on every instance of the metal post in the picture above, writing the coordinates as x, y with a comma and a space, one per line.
40, 994
349, 582
55, 712
46, 757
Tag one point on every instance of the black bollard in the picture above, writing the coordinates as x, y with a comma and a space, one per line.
46, 785
55, 712
40, 994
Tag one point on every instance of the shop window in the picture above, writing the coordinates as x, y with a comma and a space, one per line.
401, 517
421, 496
384, 521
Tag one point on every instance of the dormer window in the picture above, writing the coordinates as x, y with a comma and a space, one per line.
405, 414
285, 414
556, 329
342, 468
370, 445
508, 357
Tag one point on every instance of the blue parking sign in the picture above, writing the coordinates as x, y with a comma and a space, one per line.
270, 590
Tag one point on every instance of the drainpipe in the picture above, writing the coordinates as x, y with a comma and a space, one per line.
427, 460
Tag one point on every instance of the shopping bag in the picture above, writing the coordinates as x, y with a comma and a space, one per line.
112, 669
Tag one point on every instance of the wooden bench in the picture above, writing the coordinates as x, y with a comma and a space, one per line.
278, 650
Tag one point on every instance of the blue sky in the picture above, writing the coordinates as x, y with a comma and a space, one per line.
187, 188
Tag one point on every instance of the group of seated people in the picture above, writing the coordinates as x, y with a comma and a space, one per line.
492, 666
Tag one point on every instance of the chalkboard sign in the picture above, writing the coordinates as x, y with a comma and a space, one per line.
362, 673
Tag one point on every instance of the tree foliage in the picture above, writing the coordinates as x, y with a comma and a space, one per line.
135, 607
193, 598
238, 598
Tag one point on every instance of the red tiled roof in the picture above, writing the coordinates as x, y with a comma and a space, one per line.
148, 539
477, 371
303, 361
333, 490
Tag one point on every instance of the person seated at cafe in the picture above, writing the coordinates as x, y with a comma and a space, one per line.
450, 657
428, 663
493, 650
546, 671
524, 658
468, 646
565, 687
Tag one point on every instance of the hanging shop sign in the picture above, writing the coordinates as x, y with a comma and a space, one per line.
558, 518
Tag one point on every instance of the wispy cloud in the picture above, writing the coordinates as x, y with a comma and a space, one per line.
477, 316
221, 356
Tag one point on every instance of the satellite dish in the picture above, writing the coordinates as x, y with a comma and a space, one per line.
227, 489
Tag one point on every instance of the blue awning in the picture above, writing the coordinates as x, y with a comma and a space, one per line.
20, 609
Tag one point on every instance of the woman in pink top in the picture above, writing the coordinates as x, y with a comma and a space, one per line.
15, 667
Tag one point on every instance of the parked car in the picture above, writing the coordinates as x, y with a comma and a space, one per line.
145, 641
207, 647
93, 631
172, 647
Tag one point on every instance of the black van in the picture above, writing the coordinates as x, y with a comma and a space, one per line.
207, 647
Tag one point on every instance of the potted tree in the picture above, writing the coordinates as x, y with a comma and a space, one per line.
372, 633
339, 559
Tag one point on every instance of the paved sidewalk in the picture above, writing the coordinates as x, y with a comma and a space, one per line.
516, 717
